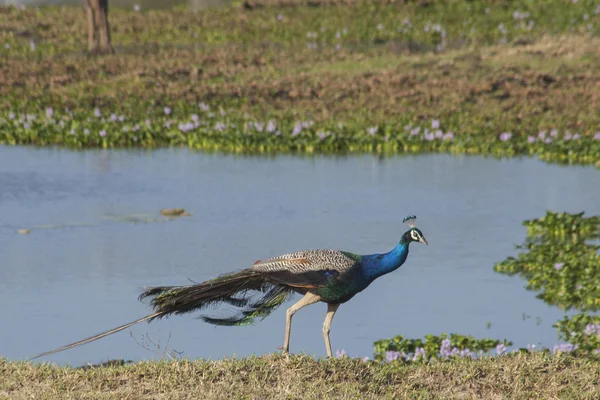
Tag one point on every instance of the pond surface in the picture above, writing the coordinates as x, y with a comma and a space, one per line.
81, 268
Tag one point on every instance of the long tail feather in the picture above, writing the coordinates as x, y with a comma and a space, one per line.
96, 337
231, 290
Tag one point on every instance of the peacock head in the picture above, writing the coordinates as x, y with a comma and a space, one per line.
414, 234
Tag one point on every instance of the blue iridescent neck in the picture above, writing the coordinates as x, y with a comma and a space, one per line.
376, 265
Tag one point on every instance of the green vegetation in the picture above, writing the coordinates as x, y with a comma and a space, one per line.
485, 77
435, 347
558, 260
531, 376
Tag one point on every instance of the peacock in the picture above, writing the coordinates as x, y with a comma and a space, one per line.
329, 276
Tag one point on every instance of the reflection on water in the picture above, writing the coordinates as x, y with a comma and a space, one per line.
60, 285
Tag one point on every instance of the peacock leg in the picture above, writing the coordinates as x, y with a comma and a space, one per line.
307, 300
331, 309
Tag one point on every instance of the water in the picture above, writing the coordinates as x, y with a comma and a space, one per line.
81, 273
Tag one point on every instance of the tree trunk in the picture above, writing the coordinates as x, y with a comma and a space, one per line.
98, 27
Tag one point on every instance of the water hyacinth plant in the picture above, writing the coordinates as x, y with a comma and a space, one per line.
199, 127
558, 260
441, 347
583, 331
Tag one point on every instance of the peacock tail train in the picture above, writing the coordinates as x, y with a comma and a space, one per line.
235, 291
246, 295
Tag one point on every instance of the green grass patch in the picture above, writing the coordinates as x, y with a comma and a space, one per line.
534, 375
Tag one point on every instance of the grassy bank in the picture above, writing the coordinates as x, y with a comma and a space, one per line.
488, 77
529, 376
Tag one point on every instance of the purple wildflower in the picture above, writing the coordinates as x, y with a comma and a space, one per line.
419, 351
280, 17
428, 136
591, 329
501, 349
564, 348
147, 122
32, 45
86, 131
135, 138
204, 107
7, 46
596, 136
340, 353
542, 134
321, 135
26, 125
11, 115
435, 124
121, 118
379, 27
297, 128
168, 124
548, 141
136, 128
505, 136
372, 130
49, 112
72, 131
391, 356
136, 7
271, 127
445, 349
466, 353
439, 134
531, 347
338, 35
167, 110
97, 112
219, 126
415, 131
531, 139
568, 135
365, 359
194, 117
186, 127
576, 136
113, 117
559, 266
103, 133
259, 126
554, 132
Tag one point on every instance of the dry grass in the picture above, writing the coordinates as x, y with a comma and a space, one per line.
524, 376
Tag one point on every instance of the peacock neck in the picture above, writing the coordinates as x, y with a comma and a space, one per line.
381, 264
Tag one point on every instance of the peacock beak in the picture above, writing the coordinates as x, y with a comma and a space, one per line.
422, 240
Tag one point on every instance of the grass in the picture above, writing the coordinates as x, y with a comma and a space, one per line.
362, 75
531, 376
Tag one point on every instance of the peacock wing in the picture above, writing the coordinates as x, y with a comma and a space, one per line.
308, 268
